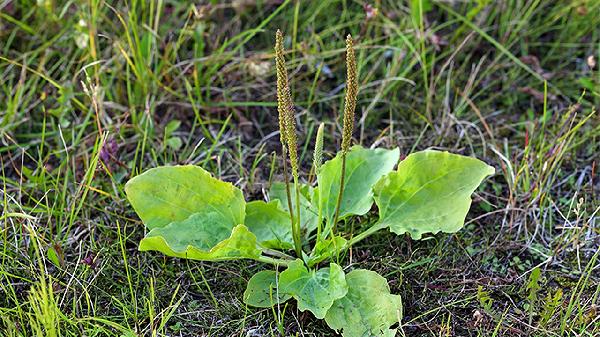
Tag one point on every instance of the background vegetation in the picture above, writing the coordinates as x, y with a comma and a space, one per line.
94, 92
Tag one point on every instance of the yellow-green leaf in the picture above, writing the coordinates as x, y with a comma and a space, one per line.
430, 192
173, 193
263, 290
364, 167
368, 309
325, 249
308, 211
270, 224
190, 214
190, 239
315, 290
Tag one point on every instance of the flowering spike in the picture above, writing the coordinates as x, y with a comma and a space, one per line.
281, 87
285, 106
318, 153
287, 130
351, 95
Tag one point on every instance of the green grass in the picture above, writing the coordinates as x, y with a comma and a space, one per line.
95, 92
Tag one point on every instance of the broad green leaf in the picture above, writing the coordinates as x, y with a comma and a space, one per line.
308, 211
173, 193
191, 239
325, 249
190, 214
270, 224
315, 290
364, 167
368, 309
263, 291
430, 192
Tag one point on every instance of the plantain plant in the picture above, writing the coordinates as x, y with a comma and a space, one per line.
190, 214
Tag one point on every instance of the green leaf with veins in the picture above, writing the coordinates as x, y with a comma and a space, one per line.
315, 290
368, 309
174, 193
308, 211
325, 249
190, 239
430, 192
263, 291
270, 224
190, 214
364, 167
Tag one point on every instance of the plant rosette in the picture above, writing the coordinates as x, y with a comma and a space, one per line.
190, 214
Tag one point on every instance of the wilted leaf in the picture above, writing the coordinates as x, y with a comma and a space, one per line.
430, 192
315, 290
368, 309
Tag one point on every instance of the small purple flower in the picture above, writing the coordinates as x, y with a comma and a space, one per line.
109, 150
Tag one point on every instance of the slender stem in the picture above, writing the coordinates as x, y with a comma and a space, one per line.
271, 260
340, 195
295, 232
276, 253
319, 220
376, 226
298, 223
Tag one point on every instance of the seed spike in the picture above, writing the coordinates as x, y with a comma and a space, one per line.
348, 127
318, 153
285, 106
281, 85
351, 95
288, 138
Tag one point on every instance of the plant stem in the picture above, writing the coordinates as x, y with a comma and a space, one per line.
276, 253
340, 194
376, 226
295, 231
274, 261
319, 220
298, 226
